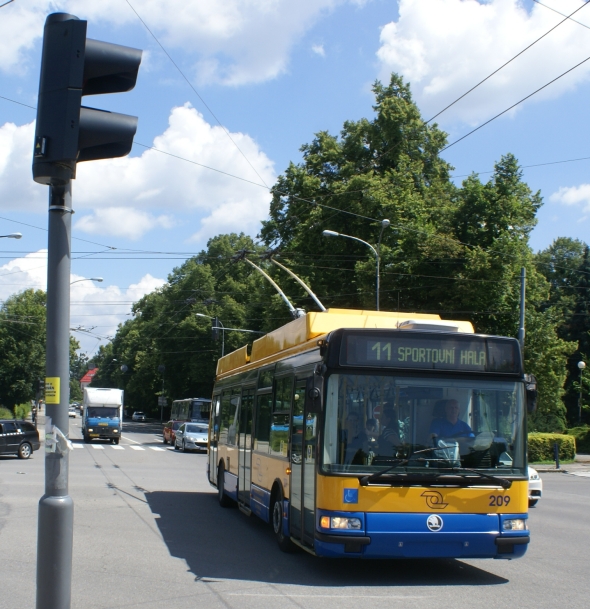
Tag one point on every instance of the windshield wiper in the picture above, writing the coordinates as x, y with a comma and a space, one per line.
503, 482
366, 479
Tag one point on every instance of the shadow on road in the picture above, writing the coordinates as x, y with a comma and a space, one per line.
226, 544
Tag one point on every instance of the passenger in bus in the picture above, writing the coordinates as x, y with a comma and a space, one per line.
450, 426
371, 433
389, 439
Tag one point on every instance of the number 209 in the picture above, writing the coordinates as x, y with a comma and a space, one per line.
499, 500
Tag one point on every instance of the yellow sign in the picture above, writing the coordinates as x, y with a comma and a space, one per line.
52, 387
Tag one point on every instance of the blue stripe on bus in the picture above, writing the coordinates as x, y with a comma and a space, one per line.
407, 536
260, 502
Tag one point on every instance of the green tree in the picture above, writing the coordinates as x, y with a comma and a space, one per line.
22, 346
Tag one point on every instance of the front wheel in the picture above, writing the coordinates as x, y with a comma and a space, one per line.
183, 447
115, 440
533, 502
25, 450
87, 438
285, 543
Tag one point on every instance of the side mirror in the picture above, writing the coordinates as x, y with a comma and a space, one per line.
530, 383
314, 391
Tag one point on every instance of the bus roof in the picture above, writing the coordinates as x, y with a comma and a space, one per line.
297, 334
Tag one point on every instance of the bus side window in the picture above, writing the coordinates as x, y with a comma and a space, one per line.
225, 415
263, 407
234, 416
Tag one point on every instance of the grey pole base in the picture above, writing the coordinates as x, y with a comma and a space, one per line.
54, 557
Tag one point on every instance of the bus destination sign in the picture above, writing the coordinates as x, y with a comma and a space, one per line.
472, 353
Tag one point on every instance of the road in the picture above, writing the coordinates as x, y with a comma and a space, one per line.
149, 533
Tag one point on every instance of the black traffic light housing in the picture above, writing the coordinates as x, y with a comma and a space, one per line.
73, 66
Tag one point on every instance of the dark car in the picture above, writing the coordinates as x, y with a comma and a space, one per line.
18, 438
169, 431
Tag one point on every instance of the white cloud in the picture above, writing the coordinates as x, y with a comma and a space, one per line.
318, 49
444, 47
122, 222
124, 197
573, 196
234, 42
95, 311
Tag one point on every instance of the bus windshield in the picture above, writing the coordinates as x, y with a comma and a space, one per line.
426, 425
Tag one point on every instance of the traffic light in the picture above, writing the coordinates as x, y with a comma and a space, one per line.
215, 329
73, 66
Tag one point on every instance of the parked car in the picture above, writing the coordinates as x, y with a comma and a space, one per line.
535, 487
72, 412
138, 416
18, 438
191, 436
169, 431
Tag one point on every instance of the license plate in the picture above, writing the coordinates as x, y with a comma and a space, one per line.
103, 424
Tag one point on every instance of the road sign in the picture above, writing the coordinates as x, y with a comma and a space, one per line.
162, 401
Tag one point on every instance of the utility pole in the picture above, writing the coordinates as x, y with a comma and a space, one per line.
522, 308
66, 133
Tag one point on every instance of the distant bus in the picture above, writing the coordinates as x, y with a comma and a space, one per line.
336, 429
191, 409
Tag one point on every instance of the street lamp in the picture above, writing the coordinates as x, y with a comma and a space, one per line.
11, 236
384, 224
222, 330
98, 279
581, 366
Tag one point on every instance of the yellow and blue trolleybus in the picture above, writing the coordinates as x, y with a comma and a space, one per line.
376, 435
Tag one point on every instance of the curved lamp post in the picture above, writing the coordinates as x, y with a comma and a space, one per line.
384, 224
581, 366
11, 236
98, 279
222, 330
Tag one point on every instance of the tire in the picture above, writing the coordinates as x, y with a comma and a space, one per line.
25, 450
533, 502
183, 447
116, 440
175, 445
276, 519
224, 500
164, 441
87, 438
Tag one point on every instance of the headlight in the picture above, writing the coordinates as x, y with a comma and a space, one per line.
338, 522
534, 477
516, 524
115, 431
90, 430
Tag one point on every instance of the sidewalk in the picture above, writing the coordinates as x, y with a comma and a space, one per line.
580, 465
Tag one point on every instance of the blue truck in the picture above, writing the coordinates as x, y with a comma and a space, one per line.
102, 416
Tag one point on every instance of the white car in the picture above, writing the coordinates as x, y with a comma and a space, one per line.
72, 412
191, 436
138, 416
535, 487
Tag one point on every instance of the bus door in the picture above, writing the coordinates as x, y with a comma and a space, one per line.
245, 441
303, 467
214, 438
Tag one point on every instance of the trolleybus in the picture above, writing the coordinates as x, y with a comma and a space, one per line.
191, 409
376, 435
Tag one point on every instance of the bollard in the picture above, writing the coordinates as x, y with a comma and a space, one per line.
556, 454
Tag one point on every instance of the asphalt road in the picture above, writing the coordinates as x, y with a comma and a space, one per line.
149, 533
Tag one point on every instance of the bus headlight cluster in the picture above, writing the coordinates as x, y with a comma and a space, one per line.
516, 524
339, 522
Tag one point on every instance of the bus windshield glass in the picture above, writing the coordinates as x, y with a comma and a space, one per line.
423, 425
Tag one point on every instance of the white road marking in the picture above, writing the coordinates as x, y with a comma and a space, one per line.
77, 445
97, 447
130, 440
118, 448
137, 447
156, 448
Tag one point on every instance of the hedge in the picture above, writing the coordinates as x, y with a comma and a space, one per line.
5, 413
541, 447
582, 436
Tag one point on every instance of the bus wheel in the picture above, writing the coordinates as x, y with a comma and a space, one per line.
285, 543
224, 500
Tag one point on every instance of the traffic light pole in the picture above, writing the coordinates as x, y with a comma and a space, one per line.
56, 508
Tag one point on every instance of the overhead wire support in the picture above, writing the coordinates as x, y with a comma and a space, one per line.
270, 256
241, 256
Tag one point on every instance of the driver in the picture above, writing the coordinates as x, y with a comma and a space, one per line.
451, 426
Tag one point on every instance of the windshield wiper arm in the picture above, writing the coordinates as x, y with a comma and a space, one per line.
503, 482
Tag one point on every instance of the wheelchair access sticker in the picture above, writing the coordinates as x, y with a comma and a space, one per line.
351, 495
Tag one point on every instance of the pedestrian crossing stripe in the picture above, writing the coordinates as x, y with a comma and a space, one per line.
116, 447
137, 447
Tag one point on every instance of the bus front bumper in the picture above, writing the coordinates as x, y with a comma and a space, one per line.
386, 535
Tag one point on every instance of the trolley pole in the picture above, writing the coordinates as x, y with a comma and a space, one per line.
56, 508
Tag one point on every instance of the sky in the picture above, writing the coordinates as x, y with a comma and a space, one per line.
238, 86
